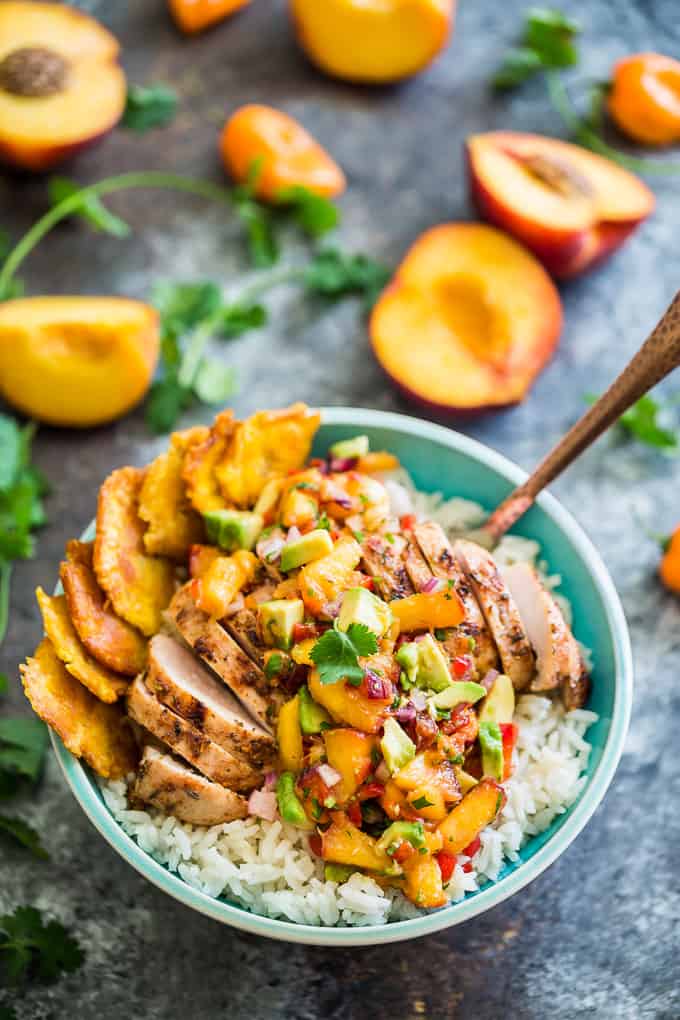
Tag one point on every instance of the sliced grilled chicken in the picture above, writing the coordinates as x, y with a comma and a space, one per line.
243, 625
218, 649
417, 567
181, 682
189, 743
383, 560
438, 552
165, 783
559, 662
500, 612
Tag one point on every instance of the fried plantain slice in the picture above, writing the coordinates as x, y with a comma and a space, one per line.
99, 733
139, 586
201, 460
266, 445
172, 524
104, 683
107, 638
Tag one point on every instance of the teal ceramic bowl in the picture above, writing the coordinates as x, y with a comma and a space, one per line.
442, 460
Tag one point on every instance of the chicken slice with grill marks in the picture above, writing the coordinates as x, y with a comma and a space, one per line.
243, 626
167, 784
383, 560
188, 742
500, 612
417, 567
438, 553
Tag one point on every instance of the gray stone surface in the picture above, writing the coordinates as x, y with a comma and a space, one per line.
597, 935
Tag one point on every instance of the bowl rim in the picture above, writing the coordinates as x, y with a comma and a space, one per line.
492, 894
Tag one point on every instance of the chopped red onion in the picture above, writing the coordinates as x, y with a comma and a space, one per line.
262, 804
434, 584
377, 688
382, 772
269, 549
406, 713
236, 606
293, 535
329, 775
419, 637
332, 609
340, 464
419, 700
489, 679
270, 780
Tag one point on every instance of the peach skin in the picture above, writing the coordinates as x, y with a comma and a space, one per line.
374, 41
468, 321
644, 99
61, 86
76, 361
571, 207
195, 15
289, 155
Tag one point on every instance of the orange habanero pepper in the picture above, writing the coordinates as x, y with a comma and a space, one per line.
195, 15
645, 98
669, 568
289, 154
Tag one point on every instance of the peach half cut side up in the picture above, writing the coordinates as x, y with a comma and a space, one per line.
571, 207
468, 321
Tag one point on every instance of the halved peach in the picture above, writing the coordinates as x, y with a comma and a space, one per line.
76, 361
372, 40
469, 319
572, 207
61, 86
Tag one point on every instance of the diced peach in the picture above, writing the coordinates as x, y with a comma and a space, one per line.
201, 557
298, 509
374, 463
570, 206
217, 588
344, 843
394, 803
350, 753
398, 38
348, 705
468, 321
423, 885
430, 784
324, 579
477, 809
289, 736
428, 611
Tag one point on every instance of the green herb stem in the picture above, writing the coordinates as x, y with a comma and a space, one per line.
121, 182
5, 577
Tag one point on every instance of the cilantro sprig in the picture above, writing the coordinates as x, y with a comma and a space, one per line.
149, 106
31, 949
336, 653
648, 421
22, 488
23, 834
547, 43
23, 742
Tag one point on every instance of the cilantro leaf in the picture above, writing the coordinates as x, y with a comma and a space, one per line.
182, 306
519, 64
166, 401
22, 746
256, 218
150, 106
334, 274
214, 383
314, 213
547, 43
4, 683
24, 835
29, 948
336, 653
90, 208
238, 318
7, 1013
642, 422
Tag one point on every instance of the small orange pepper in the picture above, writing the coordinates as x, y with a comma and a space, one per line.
645, 98
195, 15
669, 568
288, 153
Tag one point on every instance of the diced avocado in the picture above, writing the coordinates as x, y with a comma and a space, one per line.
361, 606
312, 715
397, 747
400, 832
433, 667
290, 806
277, 620
348, 449
233, 529
311, 546
337, 872
491, 743
407, 657
500, 701
465, 780
459, 691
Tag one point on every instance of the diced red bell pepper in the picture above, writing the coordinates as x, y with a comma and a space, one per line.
371, 790
303, 631
407, 522
368, 583
472, 848
403, 852
509, 733
447, 864
315, 844
461, 666
354, 814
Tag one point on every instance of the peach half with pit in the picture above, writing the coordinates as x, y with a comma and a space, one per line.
570, 206
468, 321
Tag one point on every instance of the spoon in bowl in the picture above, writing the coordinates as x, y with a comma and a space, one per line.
656, 359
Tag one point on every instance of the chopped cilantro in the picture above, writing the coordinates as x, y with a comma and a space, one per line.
421, 802
336, 653
547, 42
33, 950
23, 834
149, 106
273, 666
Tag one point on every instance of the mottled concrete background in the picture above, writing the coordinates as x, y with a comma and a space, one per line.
596, 936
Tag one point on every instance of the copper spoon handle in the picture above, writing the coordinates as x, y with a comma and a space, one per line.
657, 357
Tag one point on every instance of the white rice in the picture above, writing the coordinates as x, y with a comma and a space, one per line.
267, 866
